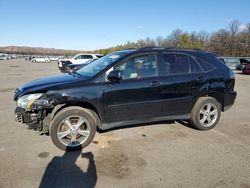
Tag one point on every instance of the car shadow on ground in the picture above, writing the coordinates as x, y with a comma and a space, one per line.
62, 171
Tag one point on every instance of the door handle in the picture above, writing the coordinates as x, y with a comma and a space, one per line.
155, 83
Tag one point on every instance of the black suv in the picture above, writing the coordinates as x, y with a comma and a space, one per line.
124, 88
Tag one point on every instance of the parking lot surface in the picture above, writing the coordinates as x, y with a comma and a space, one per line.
167, 154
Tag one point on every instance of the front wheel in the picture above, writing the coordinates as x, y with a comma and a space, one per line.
73, 128
205, 113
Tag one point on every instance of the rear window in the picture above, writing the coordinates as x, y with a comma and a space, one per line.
194, 65
205, 65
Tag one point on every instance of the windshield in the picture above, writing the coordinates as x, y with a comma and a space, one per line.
98, 65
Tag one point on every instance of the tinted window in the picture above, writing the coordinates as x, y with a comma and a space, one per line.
194, 66
87, 56
175, 64
206, 66
78, 57
139, 67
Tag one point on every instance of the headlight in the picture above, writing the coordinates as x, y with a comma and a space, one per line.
27, 100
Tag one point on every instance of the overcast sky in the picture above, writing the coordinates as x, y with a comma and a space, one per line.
89, 25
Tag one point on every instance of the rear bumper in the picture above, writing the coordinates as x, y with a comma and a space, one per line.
229, 100
246, 71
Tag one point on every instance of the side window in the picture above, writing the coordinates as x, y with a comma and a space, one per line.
139, 67
79, 57
194, 66
87, 57
205, 66
175, 64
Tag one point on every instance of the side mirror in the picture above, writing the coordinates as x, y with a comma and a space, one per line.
115, 76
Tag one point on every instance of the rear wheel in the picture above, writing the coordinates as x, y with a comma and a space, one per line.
205, 113
73, 128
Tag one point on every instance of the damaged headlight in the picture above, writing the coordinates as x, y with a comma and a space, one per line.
26, 101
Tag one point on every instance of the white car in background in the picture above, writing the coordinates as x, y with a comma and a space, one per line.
77, 59
53, 58
40, 60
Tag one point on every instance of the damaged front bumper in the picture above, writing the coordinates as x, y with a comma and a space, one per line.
22, 116
34, 119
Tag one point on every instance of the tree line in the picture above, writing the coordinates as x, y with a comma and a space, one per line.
234, 40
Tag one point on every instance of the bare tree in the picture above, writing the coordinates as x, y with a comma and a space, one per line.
234, 27
230, 41
175, 37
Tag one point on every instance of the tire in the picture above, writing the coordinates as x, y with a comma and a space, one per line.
205, 114
75, 126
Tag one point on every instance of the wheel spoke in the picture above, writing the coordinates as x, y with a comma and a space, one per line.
203, 111
209, 120
83, 133
63, 134
68, 122
203, 119
80, 122
214, 112
208, 107
73, 139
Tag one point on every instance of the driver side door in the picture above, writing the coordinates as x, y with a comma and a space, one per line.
136, 96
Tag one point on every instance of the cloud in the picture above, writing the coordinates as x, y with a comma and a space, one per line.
242, 27
140, 27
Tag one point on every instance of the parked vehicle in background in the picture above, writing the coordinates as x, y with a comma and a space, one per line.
40, 60
75, 67
77, 59
242, 64
231, 62
125, 88
246, 69
2, 57
53, 58
5, 57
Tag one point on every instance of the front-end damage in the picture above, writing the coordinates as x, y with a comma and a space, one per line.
38, 114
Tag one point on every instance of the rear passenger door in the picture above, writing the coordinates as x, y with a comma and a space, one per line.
182, 78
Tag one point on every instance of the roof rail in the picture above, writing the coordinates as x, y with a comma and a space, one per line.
150, 47
170, 48
129, 48
183, 48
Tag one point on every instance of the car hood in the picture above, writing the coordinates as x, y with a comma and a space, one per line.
42, 85
243, 61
